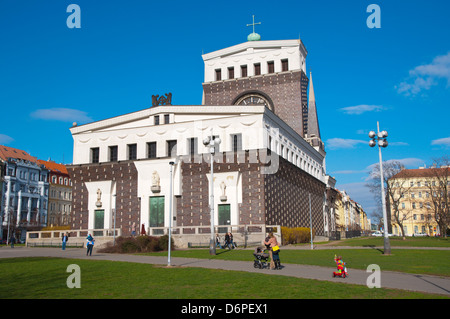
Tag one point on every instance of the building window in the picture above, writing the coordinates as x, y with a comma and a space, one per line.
192, 146
237, 142
172, 148
151, 150
231, 73
95, 155
218, 74
244, 70
156, 119
166, 118
284, 65
257, 67
132, 151
270, 67
113, 153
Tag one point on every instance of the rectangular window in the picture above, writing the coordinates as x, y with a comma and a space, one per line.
132, 151
192, 146
218, 74
270, 67
151, 150
166, 118
113, 153
257, 67
95, 155
231, 73
237, 142
156, 119
172, 148
243, 71
284, 65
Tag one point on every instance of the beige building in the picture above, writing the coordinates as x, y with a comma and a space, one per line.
350, 216
417, 193
60, 194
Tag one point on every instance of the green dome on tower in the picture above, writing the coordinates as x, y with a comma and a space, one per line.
254, 37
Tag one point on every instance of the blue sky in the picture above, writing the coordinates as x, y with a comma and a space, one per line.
125, 51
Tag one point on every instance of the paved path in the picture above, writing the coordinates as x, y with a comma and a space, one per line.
389, 279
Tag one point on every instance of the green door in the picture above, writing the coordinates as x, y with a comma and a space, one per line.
224, 217
157, 212
99, 221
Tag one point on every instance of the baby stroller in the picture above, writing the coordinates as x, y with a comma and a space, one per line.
341, 266
261, 258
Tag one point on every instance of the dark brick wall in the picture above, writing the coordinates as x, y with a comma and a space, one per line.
287, 91
287, 198
271, 199
127, 202
193, 205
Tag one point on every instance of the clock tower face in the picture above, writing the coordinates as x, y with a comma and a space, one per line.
254, 99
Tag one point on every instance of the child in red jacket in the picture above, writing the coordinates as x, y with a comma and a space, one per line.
342, 270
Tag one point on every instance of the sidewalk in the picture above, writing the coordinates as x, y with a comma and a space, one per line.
389, 279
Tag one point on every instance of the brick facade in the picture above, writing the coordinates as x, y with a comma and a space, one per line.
287, 198
127, 202
271, 199
287, 91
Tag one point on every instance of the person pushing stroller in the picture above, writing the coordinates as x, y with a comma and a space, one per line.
274, 250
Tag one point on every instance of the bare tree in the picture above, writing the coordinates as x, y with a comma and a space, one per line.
438, 184
395, 190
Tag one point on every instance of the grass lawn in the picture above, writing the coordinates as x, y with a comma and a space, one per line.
431, 262
395, 242
45, 278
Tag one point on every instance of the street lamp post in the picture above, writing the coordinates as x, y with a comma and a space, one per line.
380, 139
170, 213
211, 142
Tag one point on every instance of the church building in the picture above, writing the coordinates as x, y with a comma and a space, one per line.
152, 166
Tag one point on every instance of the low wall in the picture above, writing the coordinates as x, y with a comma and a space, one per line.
77, 238
243, 235
183, 237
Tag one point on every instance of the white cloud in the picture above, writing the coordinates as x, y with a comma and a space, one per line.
398, 144
442, 141
62, 114
337, 143
359, 109
5, 139
423, 77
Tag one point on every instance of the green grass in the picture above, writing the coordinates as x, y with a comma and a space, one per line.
395, 242
45, 278
431, 262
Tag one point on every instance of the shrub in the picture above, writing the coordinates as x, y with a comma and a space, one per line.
295, 235
138, 244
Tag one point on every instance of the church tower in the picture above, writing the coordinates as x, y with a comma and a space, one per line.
270, 73
313, 131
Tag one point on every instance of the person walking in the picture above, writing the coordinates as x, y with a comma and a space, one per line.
218, 241
271, 242
64, 239
133, 229
12, 240
233, 244
90, 245
227, 241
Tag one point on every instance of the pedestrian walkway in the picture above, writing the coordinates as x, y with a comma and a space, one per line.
389, 279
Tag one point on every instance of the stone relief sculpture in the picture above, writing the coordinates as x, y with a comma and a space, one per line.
156, 187
99, 198
223, 188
